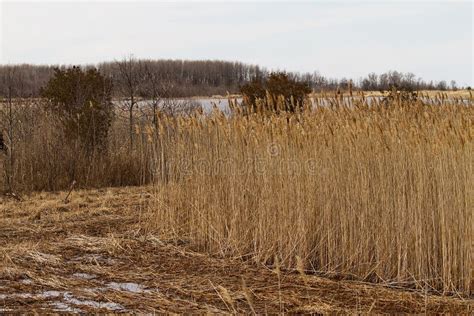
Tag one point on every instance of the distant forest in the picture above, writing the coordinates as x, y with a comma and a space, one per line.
184, 78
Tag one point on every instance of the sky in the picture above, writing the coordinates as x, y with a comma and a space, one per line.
432, 39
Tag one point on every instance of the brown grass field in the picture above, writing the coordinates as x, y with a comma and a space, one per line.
347, 207
94, 255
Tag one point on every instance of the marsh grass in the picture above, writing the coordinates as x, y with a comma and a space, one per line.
380, 193
375, 193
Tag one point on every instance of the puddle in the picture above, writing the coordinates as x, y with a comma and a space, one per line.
85, 276
129, 287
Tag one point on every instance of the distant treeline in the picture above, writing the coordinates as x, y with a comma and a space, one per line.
184, 78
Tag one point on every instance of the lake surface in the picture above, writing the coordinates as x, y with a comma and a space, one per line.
208, 104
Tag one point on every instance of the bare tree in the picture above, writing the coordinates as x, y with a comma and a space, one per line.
205, 77
156, 88
442, 85
129, 80
12, 82
453, 85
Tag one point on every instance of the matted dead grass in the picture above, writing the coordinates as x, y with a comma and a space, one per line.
90, 255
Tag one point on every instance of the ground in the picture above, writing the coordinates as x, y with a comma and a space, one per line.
92, 254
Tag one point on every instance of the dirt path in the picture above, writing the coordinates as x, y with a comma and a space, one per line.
91, 255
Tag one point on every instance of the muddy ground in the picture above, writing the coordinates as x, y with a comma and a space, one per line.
93, 255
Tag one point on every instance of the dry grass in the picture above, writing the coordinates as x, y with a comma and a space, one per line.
380, 194
44, 159
93, 255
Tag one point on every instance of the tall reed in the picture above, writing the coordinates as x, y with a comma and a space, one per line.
379, 193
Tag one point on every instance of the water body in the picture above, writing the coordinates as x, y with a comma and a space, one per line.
208, 104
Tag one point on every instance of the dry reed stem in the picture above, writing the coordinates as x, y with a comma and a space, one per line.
377, 193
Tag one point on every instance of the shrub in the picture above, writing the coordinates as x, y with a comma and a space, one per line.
277, 93
82, 102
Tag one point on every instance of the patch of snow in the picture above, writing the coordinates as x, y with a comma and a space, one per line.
26, 281
20, 295
85, 276
24, 295
45, 294
128, 286
49, 294
63, 307
69, 298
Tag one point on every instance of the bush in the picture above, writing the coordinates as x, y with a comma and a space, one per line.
277, 93
82, 102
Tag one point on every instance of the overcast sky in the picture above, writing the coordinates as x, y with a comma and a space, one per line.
351, 38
